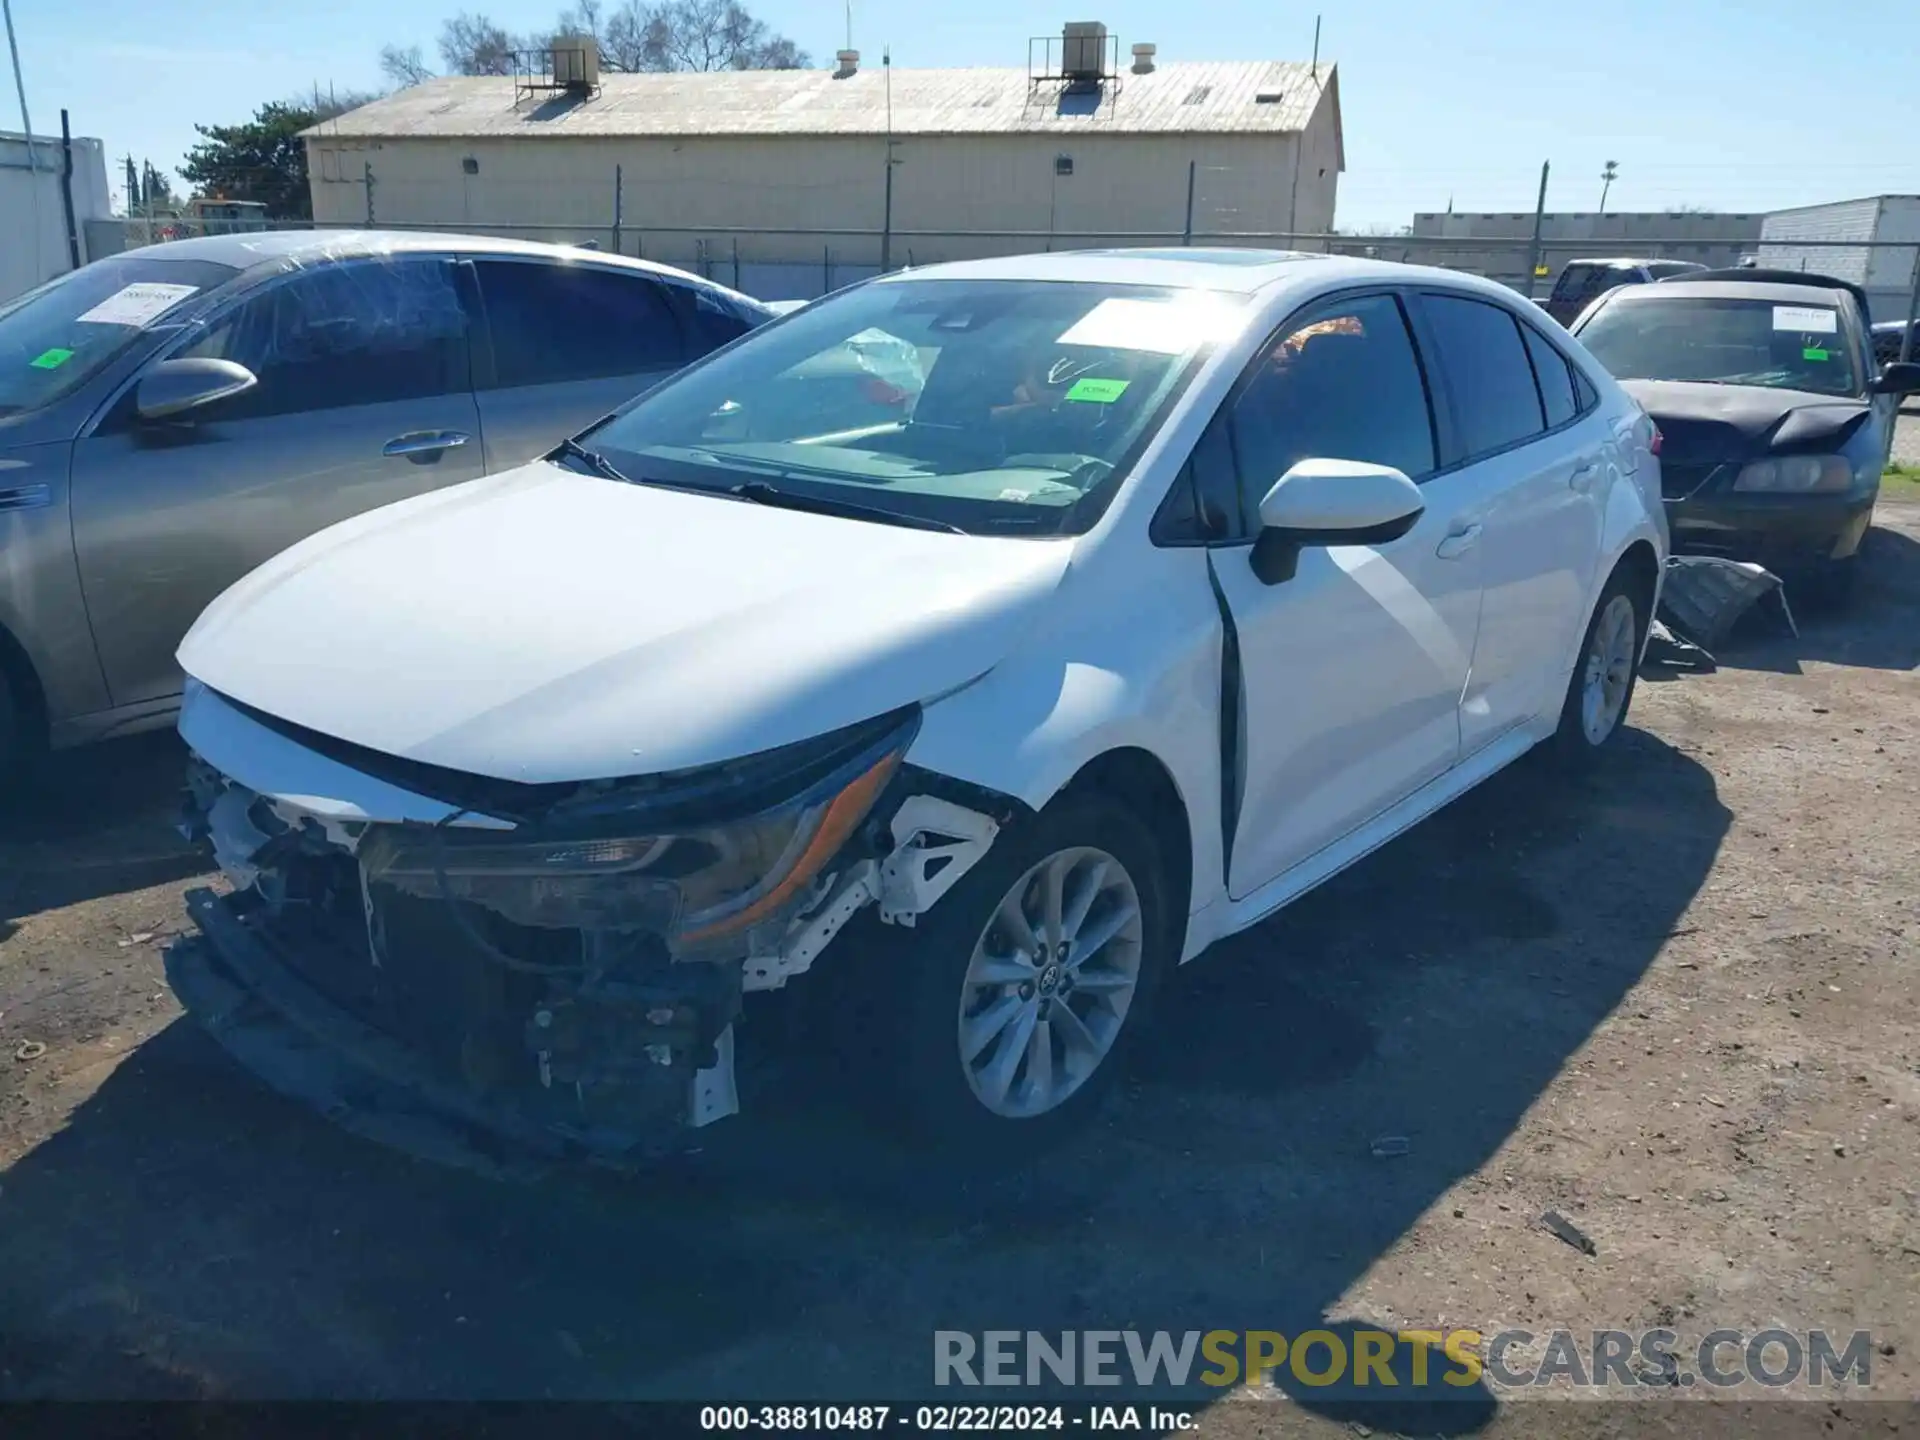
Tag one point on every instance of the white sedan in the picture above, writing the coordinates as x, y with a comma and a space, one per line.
1140, 593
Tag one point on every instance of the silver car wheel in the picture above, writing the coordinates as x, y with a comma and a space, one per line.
1609, 669
1050, 982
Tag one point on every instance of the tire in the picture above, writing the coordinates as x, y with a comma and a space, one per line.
942, 1101
1586, 732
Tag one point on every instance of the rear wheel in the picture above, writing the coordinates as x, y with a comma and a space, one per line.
1603, 680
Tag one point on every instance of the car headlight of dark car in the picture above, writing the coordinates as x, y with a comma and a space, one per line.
1796, 475
702, 859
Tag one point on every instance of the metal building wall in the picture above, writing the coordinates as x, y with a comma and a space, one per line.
801, 200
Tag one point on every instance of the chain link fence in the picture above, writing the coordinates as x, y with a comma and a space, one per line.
800, 262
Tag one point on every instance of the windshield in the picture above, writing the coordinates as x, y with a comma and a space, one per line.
1725, 341
53, 339
990, 406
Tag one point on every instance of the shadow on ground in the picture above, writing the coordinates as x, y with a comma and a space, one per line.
188, 1232
1874, 629
92, 822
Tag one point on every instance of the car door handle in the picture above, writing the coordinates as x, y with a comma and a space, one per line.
1584, 475
422, 442
1458, 542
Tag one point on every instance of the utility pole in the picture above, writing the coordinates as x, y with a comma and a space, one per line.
886, 219
33, 151
1539, 219
1608, 175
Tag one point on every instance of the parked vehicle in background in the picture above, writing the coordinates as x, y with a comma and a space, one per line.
171, 417
1167, 585
1887, 336
1584, 281
1774, 415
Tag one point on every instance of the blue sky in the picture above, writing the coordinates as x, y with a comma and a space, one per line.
1748, 106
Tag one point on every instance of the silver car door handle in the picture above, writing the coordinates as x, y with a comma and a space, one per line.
1459, 543
420, 442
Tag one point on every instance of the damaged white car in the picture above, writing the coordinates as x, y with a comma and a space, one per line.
1138, 593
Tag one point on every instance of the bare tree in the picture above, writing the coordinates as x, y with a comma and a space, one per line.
709, 35
636, 35
404, 67
474, 45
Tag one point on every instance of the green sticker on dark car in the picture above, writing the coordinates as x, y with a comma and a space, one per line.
1100, 392
51, 359
1814, 352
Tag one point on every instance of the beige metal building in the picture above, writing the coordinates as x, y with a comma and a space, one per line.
779, 180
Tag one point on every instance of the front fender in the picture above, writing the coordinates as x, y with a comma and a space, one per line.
1137, 667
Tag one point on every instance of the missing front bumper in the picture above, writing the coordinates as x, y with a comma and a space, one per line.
243, 984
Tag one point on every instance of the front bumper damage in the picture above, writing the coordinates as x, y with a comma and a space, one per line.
474, 1022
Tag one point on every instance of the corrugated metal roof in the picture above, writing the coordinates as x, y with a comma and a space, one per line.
1185, 98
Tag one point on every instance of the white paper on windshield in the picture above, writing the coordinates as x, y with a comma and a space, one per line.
1805, 319
1165, 327
139, 304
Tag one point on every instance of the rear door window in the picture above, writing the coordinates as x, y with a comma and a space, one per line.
356, 332
554, 323
1583, 282
1495, 400
1555, 376
711, 319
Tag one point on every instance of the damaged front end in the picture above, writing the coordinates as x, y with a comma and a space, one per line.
562, 965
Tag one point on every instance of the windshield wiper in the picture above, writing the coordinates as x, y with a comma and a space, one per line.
593, 459
763, 492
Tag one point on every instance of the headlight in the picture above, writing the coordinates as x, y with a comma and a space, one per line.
651, 860
1796, 475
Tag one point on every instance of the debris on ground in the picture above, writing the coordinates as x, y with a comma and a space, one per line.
1385, 1147
1557, 1225
29, 1050
1668, 649
138, 937
1704, 596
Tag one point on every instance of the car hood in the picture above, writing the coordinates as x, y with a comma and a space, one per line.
543, 625
1715, 424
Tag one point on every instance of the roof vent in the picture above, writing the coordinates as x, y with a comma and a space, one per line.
576, 62
849, 62
1143, 54
1083, 50
1268, 97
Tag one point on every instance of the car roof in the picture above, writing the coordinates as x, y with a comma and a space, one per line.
277, 249
1200, 268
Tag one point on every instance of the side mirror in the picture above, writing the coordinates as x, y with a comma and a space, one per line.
173, 387
1331, 502
1902, 377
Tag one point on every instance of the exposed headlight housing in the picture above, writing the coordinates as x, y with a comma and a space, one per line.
1796, 475
701, 859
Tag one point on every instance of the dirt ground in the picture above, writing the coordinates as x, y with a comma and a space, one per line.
1676, 1003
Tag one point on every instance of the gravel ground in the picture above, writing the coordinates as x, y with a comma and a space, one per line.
1906, 437
1675, 1003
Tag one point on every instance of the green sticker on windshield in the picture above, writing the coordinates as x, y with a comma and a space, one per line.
1813, 352
1100, 392
51, 359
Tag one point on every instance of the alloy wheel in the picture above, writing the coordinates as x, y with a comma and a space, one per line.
1050, 982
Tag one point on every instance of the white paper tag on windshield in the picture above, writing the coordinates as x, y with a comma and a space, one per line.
1165, 327
1805, 319
139, 304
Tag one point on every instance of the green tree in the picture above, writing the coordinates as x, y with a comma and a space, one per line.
263, 159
